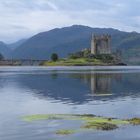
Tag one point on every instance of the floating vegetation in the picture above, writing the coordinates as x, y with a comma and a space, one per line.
90, 121
39, 117
65, 132
100, 126
135, 121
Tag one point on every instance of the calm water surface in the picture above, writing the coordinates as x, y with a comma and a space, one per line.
104, 91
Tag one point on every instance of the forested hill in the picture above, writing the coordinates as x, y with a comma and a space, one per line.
74, 38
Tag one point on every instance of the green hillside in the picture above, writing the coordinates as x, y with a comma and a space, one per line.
64, 41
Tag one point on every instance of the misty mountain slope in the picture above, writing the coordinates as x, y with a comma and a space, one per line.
15, 45
4, 50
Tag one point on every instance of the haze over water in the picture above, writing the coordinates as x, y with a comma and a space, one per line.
104, 91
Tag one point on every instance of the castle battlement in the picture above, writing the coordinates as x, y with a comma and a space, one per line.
103, 37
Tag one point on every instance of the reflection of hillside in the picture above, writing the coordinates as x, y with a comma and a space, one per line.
78, 87
55, 86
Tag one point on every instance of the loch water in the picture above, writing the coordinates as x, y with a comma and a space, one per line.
103, 91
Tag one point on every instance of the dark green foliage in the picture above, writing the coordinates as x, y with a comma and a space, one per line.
106, 58
135, 121
80, 54
76, 55
54, 57
73, 56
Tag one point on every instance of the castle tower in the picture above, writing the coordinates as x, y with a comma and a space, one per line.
100, 44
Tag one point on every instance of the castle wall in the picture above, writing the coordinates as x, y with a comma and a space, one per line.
101, 44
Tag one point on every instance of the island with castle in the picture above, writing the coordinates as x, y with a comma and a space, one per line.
99, 54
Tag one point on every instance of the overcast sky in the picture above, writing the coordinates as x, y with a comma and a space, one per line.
24, 18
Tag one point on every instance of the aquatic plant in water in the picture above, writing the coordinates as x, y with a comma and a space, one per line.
90, 121
65, 132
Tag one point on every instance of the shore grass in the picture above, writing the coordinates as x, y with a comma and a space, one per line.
135, 121
74, 62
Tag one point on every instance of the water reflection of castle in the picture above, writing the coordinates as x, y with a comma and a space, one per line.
100, 84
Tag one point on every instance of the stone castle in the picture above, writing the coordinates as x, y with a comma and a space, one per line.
101, 44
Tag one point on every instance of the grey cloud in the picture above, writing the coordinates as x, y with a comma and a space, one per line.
20, 5
21, 18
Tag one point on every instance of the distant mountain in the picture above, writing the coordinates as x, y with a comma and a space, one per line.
16, 44
4, 50
7, 49
74, 38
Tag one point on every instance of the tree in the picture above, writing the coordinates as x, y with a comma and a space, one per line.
54, 57
86, 53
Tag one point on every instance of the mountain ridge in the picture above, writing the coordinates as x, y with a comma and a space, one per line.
75, 38
71, 34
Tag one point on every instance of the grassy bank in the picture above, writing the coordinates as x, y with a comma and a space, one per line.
75, 62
